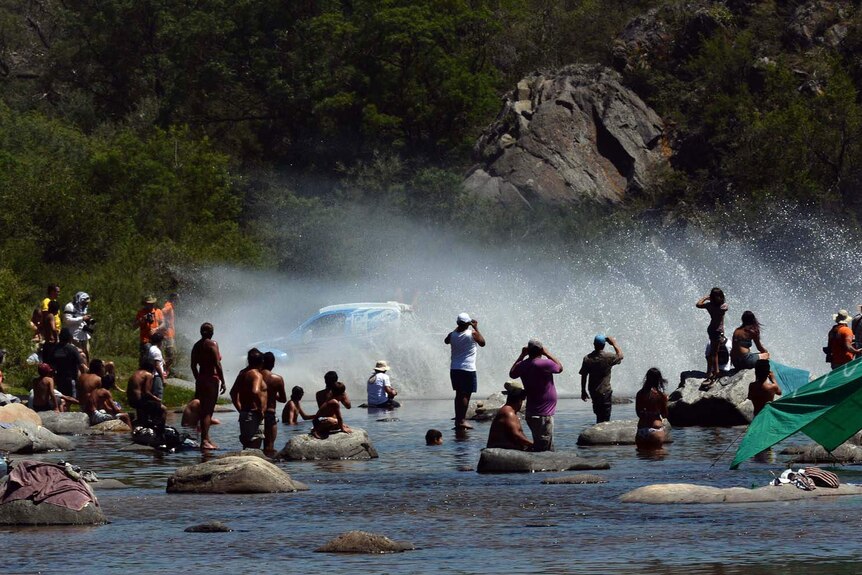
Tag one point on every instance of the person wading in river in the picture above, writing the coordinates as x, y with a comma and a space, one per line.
596, 367
209, 380
462, 369
506, 431
537, 374
274, 393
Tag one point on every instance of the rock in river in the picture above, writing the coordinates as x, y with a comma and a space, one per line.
617, 432
364, 542
25, 437
246, 474
18, 412
354, 445
25, 512
68, 423
209, 527
687, 493
724, 404
492, 460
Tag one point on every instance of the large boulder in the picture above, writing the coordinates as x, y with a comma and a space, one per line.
820, 23
364, 542
618, 432
566, 136
25, 512
112, 426
687, 493
354, 445
724, 404
485, 409
246, 474
494, 460
15, 412
68, 423
25, 437
844, 454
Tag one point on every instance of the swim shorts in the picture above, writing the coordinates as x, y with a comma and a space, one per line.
463, 381
748, 361
250, 426
101, 416
269, 419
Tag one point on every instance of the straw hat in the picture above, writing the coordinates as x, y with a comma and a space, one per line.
843, 316
382, 365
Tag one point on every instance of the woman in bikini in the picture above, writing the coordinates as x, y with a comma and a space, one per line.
651, 407
745, 337
716, 305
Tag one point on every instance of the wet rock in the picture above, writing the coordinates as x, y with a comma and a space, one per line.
245, 474
724, 404
25, 437
617, 432
25, 512
108, 484
686, 493
617, 400
577, 479
485, 409
15, 412
846, 454
364, 542
493, 460
209, 527
583, 137
115, 425
68, 423
356, 445
245, 452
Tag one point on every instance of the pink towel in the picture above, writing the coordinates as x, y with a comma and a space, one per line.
46, 483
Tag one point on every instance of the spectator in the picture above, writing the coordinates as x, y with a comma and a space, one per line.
154, 353
840, 340
48, 329
148, 320
537, 374
76, 317
169, 345
597, 367
68, 364
464, 341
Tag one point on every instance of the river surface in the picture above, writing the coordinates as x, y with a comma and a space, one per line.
461, 522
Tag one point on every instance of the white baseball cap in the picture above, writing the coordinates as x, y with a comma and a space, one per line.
464, 318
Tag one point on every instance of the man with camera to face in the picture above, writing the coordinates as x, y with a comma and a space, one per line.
76, 317
149, 320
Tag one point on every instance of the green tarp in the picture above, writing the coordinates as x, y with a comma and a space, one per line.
788, 378
828, 410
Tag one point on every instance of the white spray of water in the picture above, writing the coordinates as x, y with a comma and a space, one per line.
639, 285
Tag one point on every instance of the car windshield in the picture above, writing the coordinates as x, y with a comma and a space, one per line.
331, 325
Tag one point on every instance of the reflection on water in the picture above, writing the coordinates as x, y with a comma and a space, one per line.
461, 521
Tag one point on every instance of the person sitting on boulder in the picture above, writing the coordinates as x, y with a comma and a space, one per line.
744, 337
192, 415
328, 418
292, 409
139, 393
716, 305
97, 402
433, 437
380, 392
651, 409
506, 431
330, 379
764, 387
44, 398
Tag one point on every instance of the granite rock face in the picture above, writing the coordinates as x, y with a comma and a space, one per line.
356, 445
493, 460
724, 404
245, 474
25, 437
617, 432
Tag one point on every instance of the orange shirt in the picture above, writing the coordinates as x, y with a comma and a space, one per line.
838, 341
168, 313
147, 329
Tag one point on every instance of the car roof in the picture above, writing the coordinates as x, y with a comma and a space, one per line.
353, 307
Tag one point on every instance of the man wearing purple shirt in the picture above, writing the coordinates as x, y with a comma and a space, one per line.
537, 374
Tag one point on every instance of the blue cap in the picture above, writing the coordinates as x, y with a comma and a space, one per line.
600, 339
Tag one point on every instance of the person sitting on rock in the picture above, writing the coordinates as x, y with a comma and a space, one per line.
104, 408
380, 391
506, 431
293, 410
330, 379
764, 387
192, 415
139, 393
745, 337
433, 437
328, 418
651, 409
44, 398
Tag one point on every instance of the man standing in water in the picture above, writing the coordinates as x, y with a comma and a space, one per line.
597, 366
274, 393
209, 380
537, 374
462, 369
248, 394
840, 340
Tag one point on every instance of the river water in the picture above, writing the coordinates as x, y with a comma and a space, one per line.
461, 522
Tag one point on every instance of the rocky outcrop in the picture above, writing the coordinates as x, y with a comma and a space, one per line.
567, 136
15, 412
577, 479
356, 445
485, 409
68, 423
246, 474
209, 527
492, 460
364, 542
113, 426
724, 404
25, 437
820, 23
618, 432
844, 454
25, 512
686, 493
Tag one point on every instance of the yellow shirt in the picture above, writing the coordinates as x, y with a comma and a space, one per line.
45, 303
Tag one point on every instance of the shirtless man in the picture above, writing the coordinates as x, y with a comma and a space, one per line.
105, 409
248, 395
330, 379
506, 431
209, 380
764, 388
328, 418
274, 394
87, 383
192, 415
292, 410
43, 390
139, 393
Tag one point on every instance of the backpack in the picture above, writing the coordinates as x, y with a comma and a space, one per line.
821, 477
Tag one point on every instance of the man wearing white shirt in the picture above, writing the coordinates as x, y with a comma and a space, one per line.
462, 371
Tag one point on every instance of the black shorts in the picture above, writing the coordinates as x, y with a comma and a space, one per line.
463, 381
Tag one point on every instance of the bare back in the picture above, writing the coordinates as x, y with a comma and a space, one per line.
139, 383
251, 391
206, 360
43, 392
651, 407
275, 393
87, 384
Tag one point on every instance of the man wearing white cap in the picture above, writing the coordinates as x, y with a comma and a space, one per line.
841, 348
462, 370
380, 391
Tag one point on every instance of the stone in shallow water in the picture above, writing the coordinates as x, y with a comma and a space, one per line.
356, 445
25, 512
25, 437
68, 423
18, 412
209, 527
724, 404
245, 474
115, 425
493, 460
364, 542
617, 432
687, 493
577, 479
108, 484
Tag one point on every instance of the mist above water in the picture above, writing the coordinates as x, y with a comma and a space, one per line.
638, 284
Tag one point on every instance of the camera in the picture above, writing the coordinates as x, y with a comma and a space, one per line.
89, 325
150, 317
